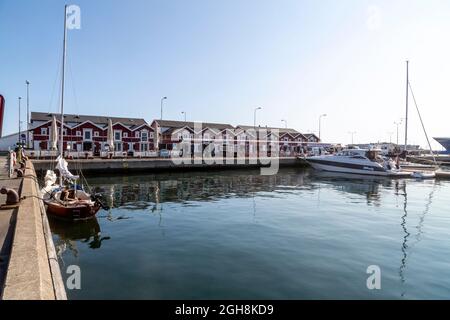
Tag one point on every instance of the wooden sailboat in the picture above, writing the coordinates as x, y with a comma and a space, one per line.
67, 200
72, 210
70, 202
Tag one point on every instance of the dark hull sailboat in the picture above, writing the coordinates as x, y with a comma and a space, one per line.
72, 211
70, 204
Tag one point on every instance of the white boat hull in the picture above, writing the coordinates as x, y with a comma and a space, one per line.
355, 165
331, 168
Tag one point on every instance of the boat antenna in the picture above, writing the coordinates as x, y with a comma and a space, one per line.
407, 98
423, 126
61, 143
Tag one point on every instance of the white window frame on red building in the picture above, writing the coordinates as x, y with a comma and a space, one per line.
90, 133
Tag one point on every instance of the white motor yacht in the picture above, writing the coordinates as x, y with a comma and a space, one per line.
357, 161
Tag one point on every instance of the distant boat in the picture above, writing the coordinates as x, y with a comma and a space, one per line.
445, 142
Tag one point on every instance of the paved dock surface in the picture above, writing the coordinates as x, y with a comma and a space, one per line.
29, 267
7, 220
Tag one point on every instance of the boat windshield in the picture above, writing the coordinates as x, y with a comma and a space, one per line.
353, 153
373, 155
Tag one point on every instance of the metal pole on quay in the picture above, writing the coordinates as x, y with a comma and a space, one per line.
254, 116
162, 101
20, 98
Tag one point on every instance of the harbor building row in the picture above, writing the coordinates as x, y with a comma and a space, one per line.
84, 133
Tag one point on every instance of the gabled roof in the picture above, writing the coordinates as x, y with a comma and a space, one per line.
119, 124
58, 123
175, 130
216, 131
87, 121
99, 120
250, 131
245, 127
134, 128
300, 135
180, 124
309, 135
293, 136
232, 131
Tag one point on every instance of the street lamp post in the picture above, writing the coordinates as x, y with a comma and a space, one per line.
20, 98
254, 116
28, 112
184, 113
285, 123
320, 123
352, 133
162, 100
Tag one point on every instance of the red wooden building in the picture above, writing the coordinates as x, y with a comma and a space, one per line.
89, 133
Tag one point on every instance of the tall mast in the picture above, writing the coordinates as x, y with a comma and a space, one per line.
406, 116
61, 143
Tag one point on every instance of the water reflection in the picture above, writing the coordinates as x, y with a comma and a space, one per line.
348, 184
68, 233
151, 191
138, 192
400, 190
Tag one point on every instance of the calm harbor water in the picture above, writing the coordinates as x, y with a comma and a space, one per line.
236, 234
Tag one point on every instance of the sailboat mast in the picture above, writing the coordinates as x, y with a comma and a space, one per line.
407, 98
61, 142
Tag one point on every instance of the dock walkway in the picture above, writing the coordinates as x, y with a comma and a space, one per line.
7, 219
29, 265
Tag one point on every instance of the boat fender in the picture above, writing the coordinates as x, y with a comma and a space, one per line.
12, 197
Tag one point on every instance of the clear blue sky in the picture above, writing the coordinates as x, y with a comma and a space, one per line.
218, 60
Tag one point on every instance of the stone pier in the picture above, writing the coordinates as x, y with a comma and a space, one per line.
32, 270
